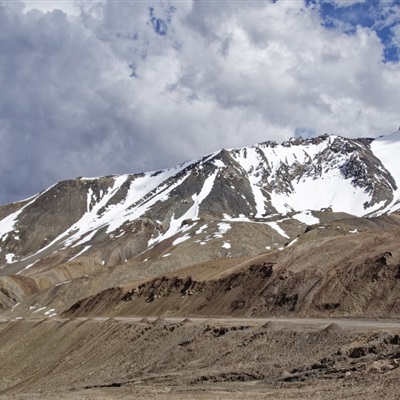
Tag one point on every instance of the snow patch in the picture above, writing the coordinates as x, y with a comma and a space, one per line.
80, 253
223, 228
193, 212
9, 258
293, 242
219, 164
28, 266
180, 240
240, 218
277, 228
306, 217
89, 199
39, 309
62, 283
201, 229
85, 239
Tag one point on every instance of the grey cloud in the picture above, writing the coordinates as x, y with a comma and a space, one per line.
224, 74
58, 119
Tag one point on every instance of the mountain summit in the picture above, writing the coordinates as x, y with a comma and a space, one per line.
269, 191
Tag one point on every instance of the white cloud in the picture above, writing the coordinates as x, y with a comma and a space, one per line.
344, 3
67, 6
204, 76
396, 35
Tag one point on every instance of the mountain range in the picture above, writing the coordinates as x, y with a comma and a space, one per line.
275, 211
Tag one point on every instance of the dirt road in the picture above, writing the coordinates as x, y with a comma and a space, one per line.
304, 324
290, 323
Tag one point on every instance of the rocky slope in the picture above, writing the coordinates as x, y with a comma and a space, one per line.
327, 195
354, 274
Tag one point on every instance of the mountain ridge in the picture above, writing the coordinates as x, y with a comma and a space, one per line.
229, 203
252, 182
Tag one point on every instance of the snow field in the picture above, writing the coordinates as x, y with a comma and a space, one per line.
387, 150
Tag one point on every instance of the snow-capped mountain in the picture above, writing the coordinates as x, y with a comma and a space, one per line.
262, 184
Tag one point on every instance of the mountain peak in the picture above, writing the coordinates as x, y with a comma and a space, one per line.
355, 176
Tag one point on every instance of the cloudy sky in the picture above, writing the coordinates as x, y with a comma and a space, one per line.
97, 87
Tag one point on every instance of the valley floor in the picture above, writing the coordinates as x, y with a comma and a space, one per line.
174, 359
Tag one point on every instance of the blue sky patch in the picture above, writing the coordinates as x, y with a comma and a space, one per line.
380, 16
160, 25
305, 133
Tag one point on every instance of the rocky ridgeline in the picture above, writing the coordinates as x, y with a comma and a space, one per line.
231, 203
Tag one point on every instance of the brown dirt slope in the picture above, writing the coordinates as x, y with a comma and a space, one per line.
14, 288
356, 275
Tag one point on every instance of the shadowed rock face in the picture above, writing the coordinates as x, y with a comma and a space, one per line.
95, 234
